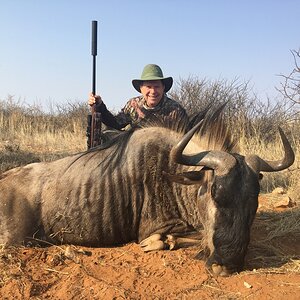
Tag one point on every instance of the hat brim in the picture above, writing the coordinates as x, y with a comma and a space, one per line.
167, 82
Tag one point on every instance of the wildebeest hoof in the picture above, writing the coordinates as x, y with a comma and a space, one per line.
152, 243
171, 242
219, 270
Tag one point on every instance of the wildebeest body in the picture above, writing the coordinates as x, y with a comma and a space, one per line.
76, 200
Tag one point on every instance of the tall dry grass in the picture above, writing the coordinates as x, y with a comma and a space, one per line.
29, 134
273, 150
60, 129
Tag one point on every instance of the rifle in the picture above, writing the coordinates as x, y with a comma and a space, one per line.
95, 122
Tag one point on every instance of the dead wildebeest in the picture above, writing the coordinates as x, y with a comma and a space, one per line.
153, 185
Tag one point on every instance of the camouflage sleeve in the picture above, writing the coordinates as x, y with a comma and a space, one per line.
123, 117
107, 117
131, 113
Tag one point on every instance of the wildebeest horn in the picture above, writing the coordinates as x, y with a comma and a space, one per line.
258, 164
220, 162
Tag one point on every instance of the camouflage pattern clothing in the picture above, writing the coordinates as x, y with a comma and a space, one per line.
136, 110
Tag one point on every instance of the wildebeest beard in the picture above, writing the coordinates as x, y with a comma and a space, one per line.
164, 186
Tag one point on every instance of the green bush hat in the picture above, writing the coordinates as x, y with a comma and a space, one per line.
152, 72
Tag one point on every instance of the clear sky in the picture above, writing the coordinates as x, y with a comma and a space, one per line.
45, 46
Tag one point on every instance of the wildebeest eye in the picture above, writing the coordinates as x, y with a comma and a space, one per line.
260, 176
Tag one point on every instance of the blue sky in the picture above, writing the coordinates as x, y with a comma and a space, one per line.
45, 52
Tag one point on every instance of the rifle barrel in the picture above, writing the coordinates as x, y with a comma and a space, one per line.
94, 54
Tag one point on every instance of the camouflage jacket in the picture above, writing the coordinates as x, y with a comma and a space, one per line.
136, 111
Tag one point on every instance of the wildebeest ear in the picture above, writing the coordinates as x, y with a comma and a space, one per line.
186, 178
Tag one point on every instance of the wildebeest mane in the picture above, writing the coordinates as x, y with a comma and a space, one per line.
214, 132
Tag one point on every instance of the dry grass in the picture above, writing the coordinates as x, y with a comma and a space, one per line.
289, 178
28, 134
29, 127
275, 241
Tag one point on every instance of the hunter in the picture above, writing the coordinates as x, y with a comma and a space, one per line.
153, 102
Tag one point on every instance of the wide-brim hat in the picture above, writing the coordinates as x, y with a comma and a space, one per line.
152, 72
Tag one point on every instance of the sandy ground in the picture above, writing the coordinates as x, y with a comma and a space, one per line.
69, 272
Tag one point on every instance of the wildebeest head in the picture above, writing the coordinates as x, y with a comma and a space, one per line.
227, 197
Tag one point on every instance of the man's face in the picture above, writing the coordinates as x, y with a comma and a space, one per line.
153, 92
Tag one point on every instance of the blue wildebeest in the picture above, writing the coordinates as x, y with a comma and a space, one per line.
163, 187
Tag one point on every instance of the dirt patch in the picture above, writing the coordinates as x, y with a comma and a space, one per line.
272, 269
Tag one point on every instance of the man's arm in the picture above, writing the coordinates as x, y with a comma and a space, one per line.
107, 117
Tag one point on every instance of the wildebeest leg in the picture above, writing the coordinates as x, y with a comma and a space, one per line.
160, 242
153, 242
182, 241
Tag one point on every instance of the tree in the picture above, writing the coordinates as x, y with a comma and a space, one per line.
290, 87
246, 114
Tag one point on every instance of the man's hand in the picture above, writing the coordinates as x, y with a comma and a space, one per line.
94, 99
